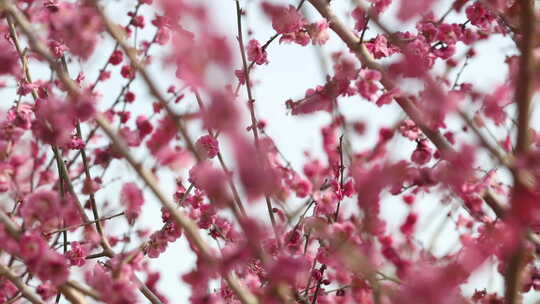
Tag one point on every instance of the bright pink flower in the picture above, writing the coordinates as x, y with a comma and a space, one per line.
326, 204
296, 267
409, 129
131, 137
417, 60
379, 47
301, 187
256, 53
479, 15
132, 198
284, 19
77, 254
104, 75
300, 37
208, 145
256, 179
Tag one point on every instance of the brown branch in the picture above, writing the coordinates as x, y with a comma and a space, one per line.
523, 95
254, 123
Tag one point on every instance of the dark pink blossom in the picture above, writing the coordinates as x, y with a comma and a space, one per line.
116, 57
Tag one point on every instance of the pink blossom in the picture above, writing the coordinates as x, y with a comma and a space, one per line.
300, 37
208, 145
118, 290
422, 154
318, 31
241, 75
380, 5
256, 53
8, 59
127, 72
479, 15
143, 126
54, 121
284, 19
48, 265
161, 136
379, 47
319, 99
57, 48
47, 209
77, 254
133, 200
78, 27
116, 57
367, 85
360, 19
210, 180
407, 228
409, 9
494, 104
387, 97
46, 291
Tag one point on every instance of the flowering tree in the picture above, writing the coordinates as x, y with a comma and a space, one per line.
93, 133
